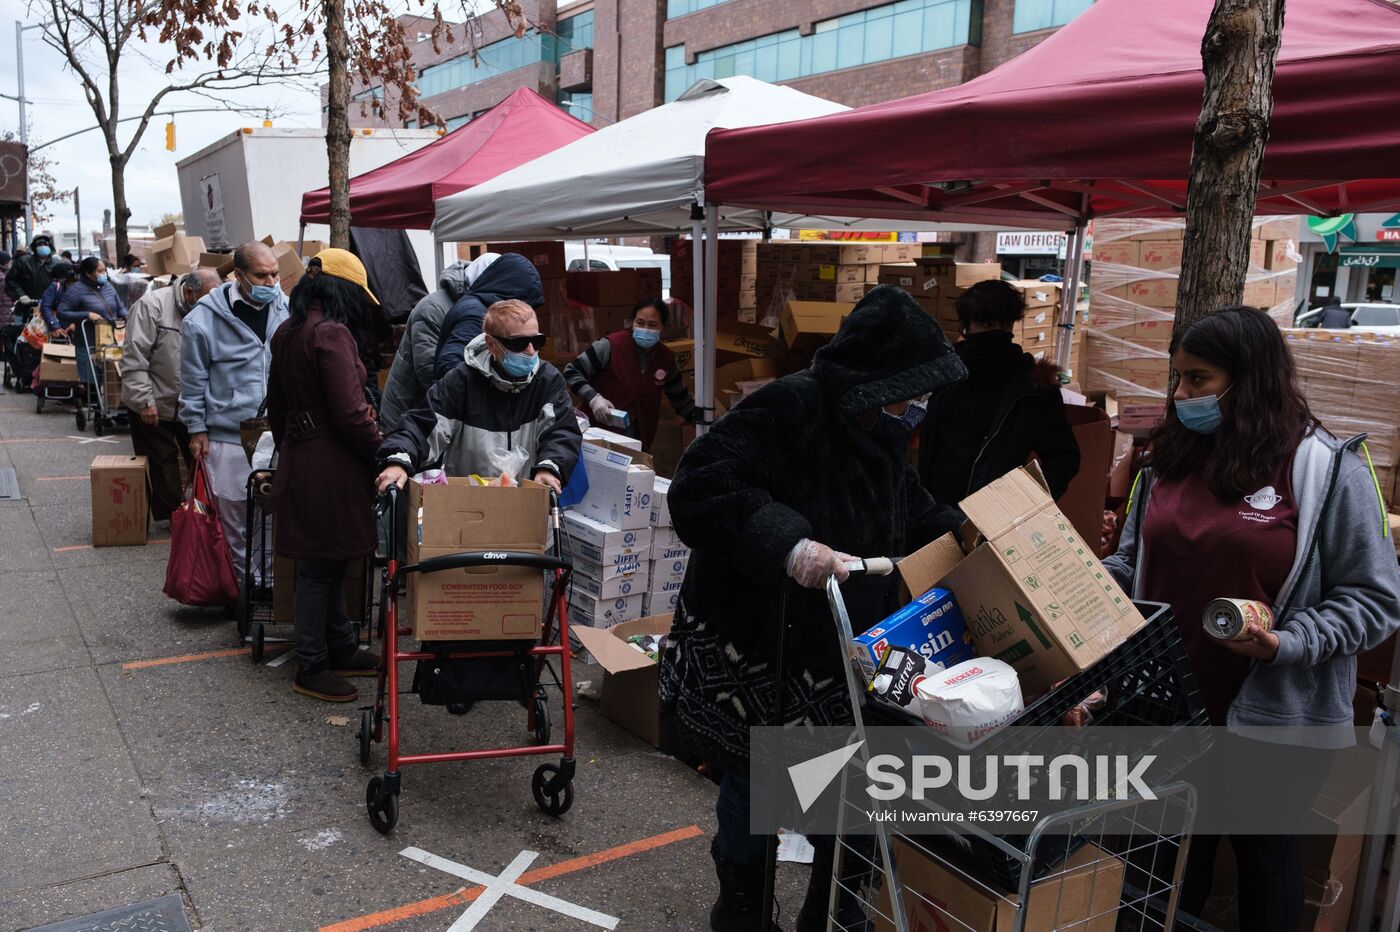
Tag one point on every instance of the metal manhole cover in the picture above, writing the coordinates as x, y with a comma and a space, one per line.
9, 485
166, 914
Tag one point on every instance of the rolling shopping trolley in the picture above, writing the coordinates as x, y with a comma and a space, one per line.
494, 670
66, 390
103, 402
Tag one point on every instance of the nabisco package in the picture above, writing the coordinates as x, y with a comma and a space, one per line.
969, 701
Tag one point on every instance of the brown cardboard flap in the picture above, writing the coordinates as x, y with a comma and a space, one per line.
923, 568
464, 516
60, 350
638, 458
609, 645
1002, 505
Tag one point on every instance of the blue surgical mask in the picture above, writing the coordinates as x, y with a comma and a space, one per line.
100, 279
1201, 415
261, 294
43, 252
519, 365
645, 338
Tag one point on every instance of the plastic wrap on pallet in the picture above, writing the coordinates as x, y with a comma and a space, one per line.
1349, 380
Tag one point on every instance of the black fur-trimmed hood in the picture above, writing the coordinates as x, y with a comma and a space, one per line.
887, 350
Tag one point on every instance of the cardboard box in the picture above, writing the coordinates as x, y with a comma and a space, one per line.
621, 440
665, 538
931, 625
165, 230
619, 485
589, 579
675, 551
1258, 254
668, 572
608, 564
807, 325
547, 255
1082, 895
1259, 293
1141, 416
1118, 252
1149, 292
222, 262
629, 681
1331, 849
290, 266
1032, 590
1083, 501
1165, 255
175, 254
59, 363
1276, 228
660, 506
916, 279
1280, 255
602, 612
490, 602
603, 288
119, 503
660, 603
602, 537
1038, 294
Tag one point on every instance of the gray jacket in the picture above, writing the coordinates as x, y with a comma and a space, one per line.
151, 353
1341, 597
411, 375
223, 365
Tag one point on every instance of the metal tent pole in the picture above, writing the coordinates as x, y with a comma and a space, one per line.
705, 348
697, 305
1379, 818
1069, 296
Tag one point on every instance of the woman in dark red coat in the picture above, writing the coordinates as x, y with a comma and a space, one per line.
323, 490
628, 371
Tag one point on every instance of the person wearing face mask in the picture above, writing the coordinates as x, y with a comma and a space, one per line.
1246, 496
628, 371
224, 362
1009, 408
799, 477
151, 383
31, 274
499, 404
91, 299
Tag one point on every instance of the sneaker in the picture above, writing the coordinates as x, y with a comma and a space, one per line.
324, 685
357, 663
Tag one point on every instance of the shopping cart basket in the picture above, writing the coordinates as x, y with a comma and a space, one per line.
47, 390
551, 785
104, 400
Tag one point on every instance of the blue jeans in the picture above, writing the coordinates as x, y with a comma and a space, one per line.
733, 842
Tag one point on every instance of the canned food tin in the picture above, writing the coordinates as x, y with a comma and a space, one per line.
1229, 619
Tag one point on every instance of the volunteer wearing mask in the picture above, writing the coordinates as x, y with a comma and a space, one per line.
323, 490
1008, 409
1248, 497
809, 469
32, 273
627, 371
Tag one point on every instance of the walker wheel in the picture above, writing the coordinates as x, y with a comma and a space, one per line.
80, 418
258, 643
383, 806
554, 800
541, 717
366, 734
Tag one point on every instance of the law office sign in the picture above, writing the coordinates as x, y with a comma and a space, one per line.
1032, 244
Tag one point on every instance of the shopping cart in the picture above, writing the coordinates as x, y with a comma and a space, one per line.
104, 400
269, 581
1143, 843
47, 390
551, 785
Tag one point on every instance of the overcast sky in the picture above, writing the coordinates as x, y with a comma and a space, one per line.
58, 107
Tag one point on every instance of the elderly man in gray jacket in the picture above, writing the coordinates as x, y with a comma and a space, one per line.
224, 360
412, 373
151, 382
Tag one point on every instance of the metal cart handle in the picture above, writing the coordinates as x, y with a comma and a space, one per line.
454, 561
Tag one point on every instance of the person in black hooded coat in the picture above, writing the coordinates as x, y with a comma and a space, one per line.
510, 276
810, 468
1010, 406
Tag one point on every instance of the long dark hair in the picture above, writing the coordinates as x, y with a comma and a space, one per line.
1265, 416
340, 301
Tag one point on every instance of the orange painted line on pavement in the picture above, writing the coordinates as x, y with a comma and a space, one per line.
153, 540
468, 894
60, 478
205, 655
40, 440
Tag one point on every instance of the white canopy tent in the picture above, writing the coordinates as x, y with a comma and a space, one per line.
644, 176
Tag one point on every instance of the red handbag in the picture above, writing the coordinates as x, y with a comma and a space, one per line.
200, 569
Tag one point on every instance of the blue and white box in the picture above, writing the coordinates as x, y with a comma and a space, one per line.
667, 571
932, 625
604, 538
660, 510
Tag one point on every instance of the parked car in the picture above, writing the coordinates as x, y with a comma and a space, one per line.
1371, 318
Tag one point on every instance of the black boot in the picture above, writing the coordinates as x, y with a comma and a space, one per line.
740, 904
855, 874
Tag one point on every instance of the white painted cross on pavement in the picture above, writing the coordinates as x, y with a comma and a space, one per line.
82, 440
504, 885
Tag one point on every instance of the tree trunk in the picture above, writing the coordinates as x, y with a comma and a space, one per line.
121, 213
1238, 55
338, 122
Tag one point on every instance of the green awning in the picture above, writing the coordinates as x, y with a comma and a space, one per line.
1369, 257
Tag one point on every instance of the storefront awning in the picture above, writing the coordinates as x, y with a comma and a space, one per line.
1369, 257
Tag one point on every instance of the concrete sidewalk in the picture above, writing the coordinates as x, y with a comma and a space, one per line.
210, 779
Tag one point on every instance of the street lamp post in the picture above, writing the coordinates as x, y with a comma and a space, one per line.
20, 30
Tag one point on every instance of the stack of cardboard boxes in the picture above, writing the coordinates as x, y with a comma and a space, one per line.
172, 252
815, 272
610, 534
736, 276
669, 556
548, 259
1136, 270
1349, 380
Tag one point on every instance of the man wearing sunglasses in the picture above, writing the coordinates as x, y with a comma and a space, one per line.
503, 409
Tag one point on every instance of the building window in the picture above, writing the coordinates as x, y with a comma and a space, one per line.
458, 121
410, 124
675, 8
373, 93
574, 33
910, 27
1046, 14
579, 105
490, 60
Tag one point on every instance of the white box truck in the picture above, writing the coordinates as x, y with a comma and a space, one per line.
249, 184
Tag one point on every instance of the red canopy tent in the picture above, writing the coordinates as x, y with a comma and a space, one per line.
400, 195
1097, 120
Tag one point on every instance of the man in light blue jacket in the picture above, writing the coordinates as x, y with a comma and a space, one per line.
224, 361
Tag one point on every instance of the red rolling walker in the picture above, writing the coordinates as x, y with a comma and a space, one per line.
552, 786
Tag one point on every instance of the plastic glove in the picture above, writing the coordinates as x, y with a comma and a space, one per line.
600, 407
810, 563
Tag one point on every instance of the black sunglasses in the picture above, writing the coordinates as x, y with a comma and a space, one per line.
518, 344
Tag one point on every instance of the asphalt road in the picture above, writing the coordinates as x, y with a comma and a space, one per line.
209, 778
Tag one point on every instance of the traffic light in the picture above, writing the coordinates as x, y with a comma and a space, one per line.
170, 136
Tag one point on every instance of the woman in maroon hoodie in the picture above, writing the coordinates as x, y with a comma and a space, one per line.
323, 490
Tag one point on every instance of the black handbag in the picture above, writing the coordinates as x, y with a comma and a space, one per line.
453, 681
